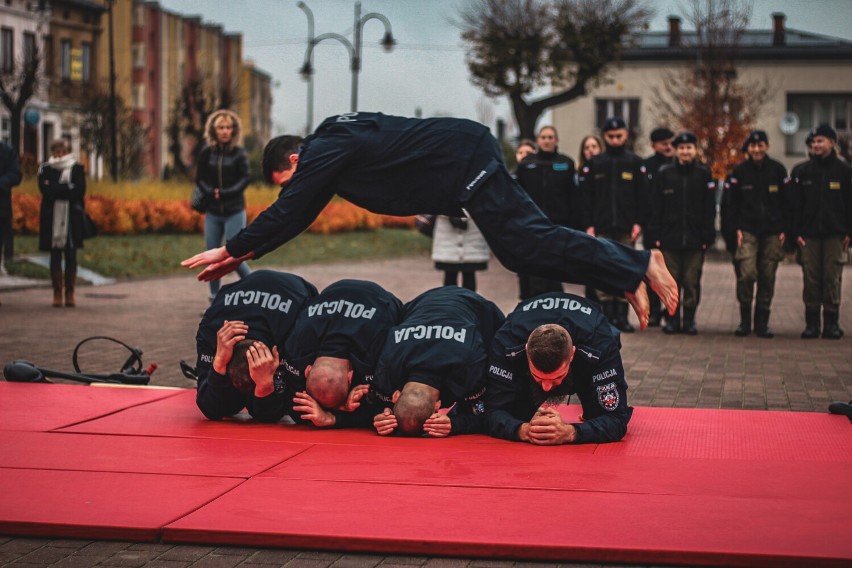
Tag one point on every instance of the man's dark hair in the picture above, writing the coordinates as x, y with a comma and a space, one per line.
276, 154
548, 347
238, 367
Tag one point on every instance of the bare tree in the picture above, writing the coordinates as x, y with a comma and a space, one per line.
708, 97
17, 87
133, 137
520, 46
189, 116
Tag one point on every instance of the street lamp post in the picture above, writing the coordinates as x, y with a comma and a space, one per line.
307, 69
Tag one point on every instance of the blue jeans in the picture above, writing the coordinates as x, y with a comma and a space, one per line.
217, 227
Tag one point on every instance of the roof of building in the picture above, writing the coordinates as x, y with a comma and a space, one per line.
753, 44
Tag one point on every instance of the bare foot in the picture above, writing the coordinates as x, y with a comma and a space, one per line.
639, 301
661, 281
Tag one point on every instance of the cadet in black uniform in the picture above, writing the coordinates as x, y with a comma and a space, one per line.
759, 206
330, 356
822, 196
661, 143
238, 342
683, 222
550, 347
437, 357
407, 166
549, 179
615, 193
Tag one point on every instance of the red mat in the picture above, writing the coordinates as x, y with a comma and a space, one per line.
126, 506
698, 487
40, 407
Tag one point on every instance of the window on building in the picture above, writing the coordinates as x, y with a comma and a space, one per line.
29, 48
7, 50
65, 59
48, 56
86, 60
139, 15
6, 130
139, 96
138, 55
815, 109
628, 109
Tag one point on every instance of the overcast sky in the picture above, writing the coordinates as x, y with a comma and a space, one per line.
426, 70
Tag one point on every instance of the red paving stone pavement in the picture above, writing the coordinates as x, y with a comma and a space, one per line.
714, 369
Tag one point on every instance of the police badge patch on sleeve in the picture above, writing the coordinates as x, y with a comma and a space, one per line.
608, 396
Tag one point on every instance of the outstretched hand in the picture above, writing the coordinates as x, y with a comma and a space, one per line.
218, 262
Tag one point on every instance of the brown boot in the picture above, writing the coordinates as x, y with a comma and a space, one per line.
56, 279
70, 280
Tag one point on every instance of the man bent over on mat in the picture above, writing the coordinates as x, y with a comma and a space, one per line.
238, 341
436, 357
445, 166
330, 356
552, 346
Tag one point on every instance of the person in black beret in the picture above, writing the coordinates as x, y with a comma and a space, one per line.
758, 218
822, 226
615, 196
684, 212
661, 143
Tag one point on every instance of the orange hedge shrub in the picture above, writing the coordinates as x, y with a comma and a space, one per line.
133, 216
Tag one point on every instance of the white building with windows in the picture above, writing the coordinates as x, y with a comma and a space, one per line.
23, 25
809, 75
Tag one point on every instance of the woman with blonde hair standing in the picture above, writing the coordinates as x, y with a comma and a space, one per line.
223, 175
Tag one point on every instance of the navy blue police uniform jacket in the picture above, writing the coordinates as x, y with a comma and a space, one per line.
596, 374
268, 302
407, 166
442, 342
350, 319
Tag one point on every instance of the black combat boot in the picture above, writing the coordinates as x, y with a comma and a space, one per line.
830, 326
656, 313
811, 324
672, 323
621, 321
745, 321
689, 322
761, 323
609, 311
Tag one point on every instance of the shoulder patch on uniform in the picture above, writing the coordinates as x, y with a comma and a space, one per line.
588, 353
608, 396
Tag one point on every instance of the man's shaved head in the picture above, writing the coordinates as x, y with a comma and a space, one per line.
415, 404
328, 381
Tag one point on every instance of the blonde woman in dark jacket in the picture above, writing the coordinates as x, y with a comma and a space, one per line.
223, 175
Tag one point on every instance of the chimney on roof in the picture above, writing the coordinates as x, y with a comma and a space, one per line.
674, 31
779, 34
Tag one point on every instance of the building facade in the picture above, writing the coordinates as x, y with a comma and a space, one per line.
170, 70
808, 76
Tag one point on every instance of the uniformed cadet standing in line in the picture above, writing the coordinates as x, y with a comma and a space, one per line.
407, 166
615, 193
550, 347
822, 223
759, 216
239, 340
549, 179
436, 358
329, 358
661, 144
683, 222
